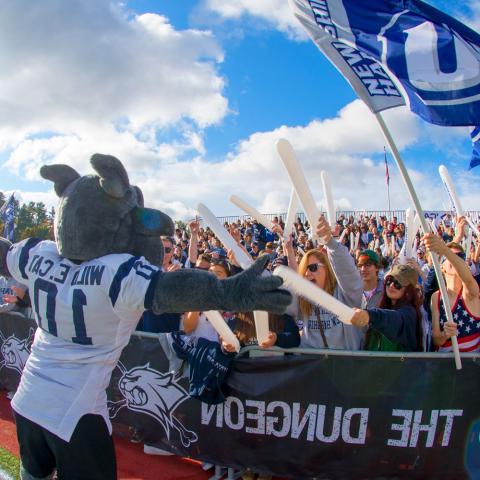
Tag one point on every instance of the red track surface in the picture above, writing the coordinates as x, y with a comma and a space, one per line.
132, 463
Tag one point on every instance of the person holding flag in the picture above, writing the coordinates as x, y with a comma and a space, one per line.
401, 53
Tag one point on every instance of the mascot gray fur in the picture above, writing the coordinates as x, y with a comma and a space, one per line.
100, 215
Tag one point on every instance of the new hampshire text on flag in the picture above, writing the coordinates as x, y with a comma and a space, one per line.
396, 52
7, 213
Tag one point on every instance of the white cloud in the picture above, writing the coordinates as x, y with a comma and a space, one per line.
93, 77
275, 13
347, 146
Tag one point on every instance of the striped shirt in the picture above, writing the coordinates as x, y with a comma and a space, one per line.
468, 326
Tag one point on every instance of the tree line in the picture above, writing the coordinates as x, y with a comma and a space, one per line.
32, 219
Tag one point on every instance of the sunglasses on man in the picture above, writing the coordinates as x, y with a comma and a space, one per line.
314, 267
167, 249
462, 255
392, 281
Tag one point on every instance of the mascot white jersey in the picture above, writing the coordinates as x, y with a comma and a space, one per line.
86, 314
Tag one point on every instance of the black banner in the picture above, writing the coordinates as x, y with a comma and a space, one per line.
301, 416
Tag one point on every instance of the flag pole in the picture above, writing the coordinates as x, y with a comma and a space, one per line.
423, 222
387, 174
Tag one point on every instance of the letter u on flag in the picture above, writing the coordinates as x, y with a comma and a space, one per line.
396, 52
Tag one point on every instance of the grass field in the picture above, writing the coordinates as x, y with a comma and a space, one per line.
9, 465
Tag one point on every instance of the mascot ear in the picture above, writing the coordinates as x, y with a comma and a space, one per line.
60, 175
113, 176
149, 221
140, 200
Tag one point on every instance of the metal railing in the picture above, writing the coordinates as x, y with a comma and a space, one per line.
326, 352
400, 214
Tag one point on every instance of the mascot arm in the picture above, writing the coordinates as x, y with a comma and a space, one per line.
4, 247
196, 290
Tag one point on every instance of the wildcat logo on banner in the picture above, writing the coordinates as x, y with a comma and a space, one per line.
392, 55
15, 351
156, 394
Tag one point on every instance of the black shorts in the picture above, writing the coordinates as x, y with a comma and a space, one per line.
89, 455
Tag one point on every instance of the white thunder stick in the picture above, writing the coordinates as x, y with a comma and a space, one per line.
472, 226
468, 245
300, 286
259, 217
261, 325
402, 255
447, 181
327, 194
352, 242
299, 182
219, 324
292, 210
357, 240
242, 258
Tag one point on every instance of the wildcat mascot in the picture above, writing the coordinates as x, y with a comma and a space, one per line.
88, 289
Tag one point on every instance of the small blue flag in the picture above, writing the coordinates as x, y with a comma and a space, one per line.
475, 134
7, 213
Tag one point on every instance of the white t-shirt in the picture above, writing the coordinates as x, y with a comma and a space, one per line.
204, 329
86, 314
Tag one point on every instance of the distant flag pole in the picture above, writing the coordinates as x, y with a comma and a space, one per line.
387, 178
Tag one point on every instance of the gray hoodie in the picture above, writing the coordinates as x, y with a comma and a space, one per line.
349, 290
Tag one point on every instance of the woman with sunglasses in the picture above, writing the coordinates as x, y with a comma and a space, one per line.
396, 325
336, 273
463, 293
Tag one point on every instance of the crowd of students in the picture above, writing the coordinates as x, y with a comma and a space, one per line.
396, 302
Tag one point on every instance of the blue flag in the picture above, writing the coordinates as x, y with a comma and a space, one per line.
7, 214
396, 52
475, 134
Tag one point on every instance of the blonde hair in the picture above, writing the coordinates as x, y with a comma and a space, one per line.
306, 307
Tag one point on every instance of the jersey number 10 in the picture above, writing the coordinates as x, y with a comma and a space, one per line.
78, 302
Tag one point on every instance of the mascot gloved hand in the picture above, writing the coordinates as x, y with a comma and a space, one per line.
89, 289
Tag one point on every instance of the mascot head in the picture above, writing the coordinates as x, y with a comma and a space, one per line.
102, 214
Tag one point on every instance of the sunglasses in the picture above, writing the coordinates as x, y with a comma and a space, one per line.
167, 249
366, 264
314, 267
391, 281
462, 255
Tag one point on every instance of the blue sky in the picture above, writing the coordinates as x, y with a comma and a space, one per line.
192, 97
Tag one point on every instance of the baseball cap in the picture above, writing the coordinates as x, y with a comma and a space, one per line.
368, 256
404, 274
